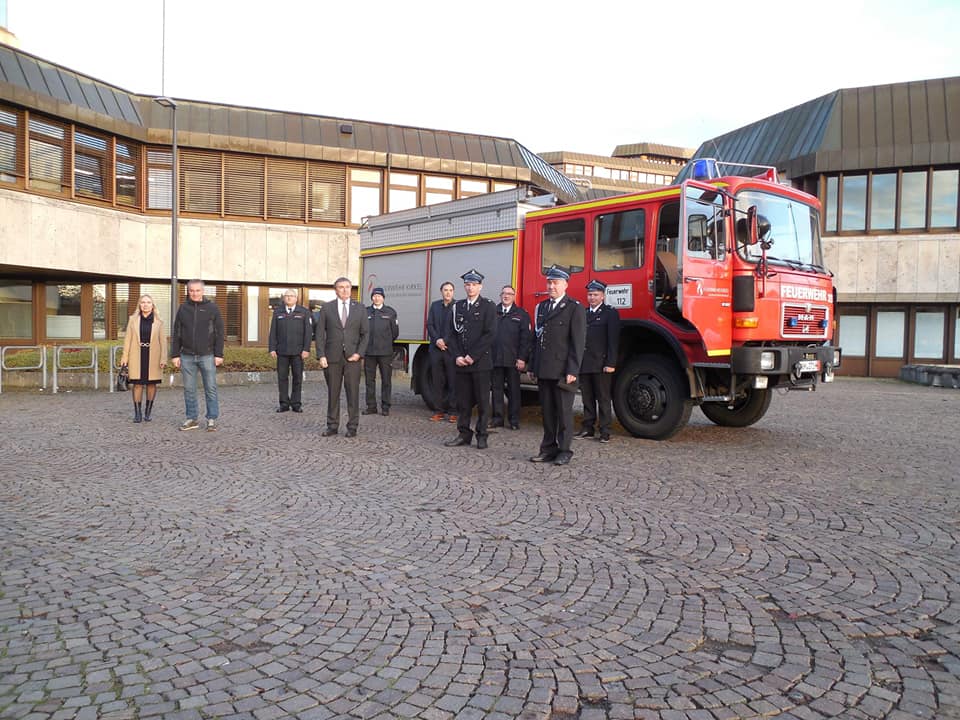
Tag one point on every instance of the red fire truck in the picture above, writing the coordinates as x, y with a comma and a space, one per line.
719, 280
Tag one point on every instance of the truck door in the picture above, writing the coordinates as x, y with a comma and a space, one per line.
705, 291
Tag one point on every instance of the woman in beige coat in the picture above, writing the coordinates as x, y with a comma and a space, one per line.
145, 354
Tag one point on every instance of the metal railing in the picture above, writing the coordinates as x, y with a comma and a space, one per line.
42, 365
91, 366
114, 351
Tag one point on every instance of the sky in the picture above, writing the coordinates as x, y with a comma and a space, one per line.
577, 76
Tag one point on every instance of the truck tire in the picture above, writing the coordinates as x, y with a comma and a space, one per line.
649, 398
746, 410
424, 380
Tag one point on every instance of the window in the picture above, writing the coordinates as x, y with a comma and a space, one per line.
159, 180
469, 188
125, 174
793, 226
913, 200
402, 192
853, 335
253, 313
943, 199
48, 142
498, 186
619, 240
364, 194
830, 204
956, 336
890, 334
200, 181
16, 310
243, 185
853, 214
91, 165
928, 335
439, 189
100, 312
63, 312
9, 128
327, 184
563, 245
883, 201
286, 197
705, 224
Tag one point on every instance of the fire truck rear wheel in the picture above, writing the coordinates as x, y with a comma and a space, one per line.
425, 384
746, 410
649, 398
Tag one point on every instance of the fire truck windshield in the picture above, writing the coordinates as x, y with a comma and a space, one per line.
793, 235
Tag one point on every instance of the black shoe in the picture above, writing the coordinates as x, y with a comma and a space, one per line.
563, 459
297, 409
495, 423
328, 432
147, 411
369, 411
514, 426
481, 443
584, 434
137, 412
543, 458
458, 441
385, 412
283, 408
604, 438
351, 433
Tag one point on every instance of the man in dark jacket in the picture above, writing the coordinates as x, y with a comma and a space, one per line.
384, 329
341, 336
442, 365
291, 332
196, 344
557, 354
511, 350
474, 319
599, 362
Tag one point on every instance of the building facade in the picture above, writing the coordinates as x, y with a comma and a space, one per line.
885, 162
266, 200
639, 166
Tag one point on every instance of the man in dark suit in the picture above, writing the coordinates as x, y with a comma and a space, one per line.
384, 329
557, 354
291, 332
599, 362
474, 319
442, 365
511, 351
341, 337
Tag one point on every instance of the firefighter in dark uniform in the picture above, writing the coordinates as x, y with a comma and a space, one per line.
384, 329
560, 335
474, 323
291, 331
511, 352
599, 362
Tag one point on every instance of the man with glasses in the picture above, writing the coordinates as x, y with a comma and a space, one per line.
196, 345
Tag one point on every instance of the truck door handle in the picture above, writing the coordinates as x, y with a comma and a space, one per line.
692, 279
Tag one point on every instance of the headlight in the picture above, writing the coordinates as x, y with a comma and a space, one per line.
768, 360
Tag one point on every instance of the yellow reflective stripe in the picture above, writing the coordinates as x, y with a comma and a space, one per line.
509, 235
711, 353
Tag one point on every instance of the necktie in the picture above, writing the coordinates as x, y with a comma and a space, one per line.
553, 305
289, 310
343, 314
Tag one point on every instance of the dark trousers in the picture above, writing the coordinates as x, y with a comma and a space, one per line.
370, 365
344, 375
443, 368
287, 364
509, 378
473, 388
595, 390
557, 406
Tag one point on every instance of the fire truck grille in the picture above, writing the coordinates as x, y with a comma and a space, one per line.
805, 321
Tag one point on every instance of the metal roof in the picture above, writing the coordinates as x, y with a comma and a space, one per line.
880, 126
646, 148
41, 85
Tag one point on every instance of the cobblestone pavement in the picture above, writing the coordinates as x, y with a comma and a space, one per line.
803, 568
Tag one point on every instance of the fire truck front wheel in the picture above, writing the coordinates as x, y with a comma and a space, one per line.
746, 410
649, 398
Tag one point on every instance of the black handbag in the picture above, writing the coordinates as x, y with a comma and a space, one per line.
123, 378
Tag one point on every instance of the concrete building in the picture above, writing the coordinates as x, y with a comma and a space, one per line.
885, 163
639, 166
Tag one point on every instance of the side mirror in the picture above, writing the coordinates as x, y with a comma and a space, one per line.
753, 236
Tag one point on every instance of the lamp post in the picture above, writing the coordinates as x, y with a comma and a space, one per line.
169, 103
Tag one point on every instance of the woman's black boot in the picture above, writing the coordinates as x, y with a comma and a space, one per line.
137, 411
147, 409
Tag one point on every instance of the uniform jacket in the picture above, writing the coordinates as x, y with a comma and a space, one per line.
603, 339
131, 348
291, 333
197, 329
337, 343
512, 340
439, 324
384, 329
473, 332
558, 351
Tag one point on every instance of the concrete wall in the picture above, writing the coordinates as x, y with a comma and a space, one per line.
895, 268
49, 233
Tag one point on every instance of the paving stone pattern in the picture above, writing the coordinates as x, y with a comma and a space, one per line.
803, 568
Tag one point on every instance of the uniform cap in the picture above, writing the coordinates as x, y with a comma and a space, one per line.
472, 276
377, 291
555, 272
597, 285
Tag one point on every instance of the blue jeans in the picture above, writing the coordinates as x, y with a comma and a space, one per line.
189, 364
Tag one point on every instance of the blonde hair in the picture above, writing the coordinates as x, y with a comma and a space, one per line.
156, 314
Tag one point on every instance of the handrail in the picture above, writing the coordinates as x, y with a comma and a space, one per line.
114, 365
42, 365
92, 366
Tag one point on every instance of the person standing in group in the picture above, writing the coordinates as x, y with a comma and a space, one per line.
197, 346
384, 329
511, 351
474, 322
291, 332
442, 362
557, 353
599, 362
341, 336
144, 360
